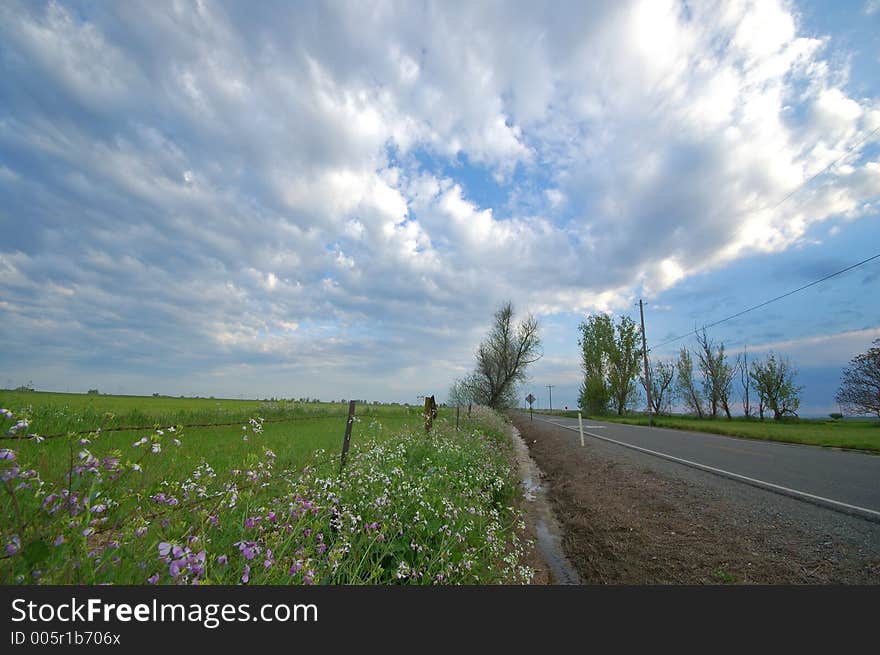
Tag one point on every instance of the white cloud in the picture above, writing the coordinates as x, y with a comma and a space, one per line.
248, 170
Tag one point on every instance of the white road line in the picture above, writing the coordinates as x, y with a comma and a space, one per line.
862, 511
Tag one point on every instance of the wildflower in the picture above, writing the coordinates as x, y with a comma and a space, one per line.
159, 432
140, 442
222, 559
248, 549
157, 447
88, 532
58, 540
141, 531
177, 442
247, 574
14, 545
135, 467
164, 549
153, 579
37, 438
175, 567
5, 453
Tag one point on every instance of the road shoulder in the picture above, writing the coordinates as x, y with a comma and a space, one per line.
628, 520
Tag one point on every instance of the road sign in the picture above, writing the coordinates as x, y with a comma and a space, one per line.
530, 399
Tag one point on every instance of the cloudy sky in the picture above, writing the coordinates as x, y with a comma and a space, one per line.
329, 199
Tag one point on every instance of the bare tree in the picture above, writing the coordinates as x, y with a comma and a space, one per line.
662, 376
685, 383
860, 384
742, 365
774, 382
503, 357
460, 392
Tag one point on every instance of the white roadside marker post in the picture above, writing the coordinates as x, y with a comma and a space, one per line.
581, 428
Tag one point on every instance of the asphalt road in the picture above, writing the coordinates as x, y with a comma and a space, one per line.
843, 480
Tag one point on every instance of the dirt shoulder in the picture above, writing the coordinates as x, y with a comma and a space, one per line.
629, 520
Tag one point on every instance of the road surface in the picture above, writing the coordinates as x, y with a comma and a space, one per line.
843, 480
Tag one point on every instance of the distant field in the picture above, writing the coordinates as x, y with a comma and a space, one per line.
851, 433
58, 413
292, 430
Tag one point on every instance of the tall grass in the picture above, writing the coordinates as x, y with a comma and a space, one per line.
166, 508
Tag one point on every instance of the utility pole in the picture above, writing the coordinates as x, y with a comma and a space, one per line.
550, 388
647, 377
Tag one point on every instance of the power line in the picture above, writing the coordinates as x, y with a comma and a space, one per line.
827, 168
767, 302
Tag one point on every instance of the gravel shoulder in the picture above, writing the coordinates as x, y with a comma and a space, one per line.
630, 518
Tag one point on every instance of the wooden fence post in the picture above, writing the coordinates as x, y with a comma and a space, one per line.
430, 412
347, 439
457, 408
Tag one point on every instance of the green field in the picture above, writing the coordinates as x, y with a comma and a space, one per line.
860, 434
252, 502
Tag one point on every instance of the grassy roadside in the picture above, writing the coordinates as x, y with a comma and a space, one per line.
265, 506
855, 434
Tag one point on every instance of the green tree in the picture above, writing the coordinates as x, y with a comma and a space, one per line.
774, 381
685, 384
610, 360
623, 364
596, 341
717, 374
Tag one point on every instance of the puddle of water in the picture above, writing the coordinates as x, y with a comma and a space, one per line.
547, 530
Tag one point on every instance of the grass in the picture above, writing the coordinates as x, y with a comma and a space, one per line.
860, 434
58, 413
261, 505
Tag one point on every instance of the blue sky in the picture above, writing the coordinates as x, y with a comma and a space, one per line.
330, 199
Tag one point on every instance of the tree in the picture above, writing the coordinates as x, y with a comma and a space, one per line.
860, 383
610, 359
774, 382
685, 384
662, 375
503, 357
623, 364
742, 365
717, 374
460, 393
596, 341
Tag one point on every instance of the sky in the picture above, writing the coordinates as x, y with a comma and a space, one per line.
330, 199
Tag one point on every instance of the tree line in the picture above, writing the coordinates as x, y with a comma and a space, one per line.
704, 379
